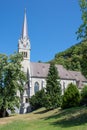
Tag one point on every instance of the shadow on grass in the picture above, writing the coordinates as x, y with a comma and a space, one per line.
41, 112
73, 121
66, 112
69, 118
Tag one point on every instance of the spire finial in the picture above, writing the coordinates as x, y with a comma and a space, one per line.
25, 29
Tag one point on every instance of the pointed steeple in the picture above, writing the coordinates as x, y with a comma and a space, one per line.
25, 27
24, 42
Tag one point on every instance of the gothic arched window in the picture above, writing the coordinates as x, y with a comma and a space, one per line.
36, 87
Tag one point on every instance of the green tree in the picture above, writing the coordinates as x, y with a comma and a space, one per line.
12, 79
53, 88
82, 34
71, 97
84, 59
82, 30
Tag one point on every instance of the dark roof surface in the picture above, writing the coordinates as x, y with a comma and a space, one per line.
40, 70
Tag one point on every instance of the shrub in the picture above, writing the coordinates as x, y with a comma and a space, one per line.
37, 100
71, 97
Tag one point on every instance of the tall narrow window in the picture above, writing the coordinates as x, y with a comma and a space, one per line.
36, 87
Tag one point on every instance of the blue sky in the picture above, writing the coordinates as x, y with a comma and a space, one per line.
51, 26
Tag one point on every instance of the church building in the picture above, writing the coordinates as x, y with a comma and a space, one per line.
37, 72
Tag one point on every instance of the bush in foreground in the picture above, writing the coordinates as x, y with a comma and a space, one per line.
71, 97
37, 100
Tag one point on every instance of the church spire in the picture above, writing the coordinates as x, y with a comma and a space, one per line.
25, 27
24, 42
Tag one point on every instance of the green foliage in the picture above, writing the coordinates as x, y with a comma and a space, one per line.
11, 80
82, 30
53, 89
71, 97
70, 58
74, 58
84, 96
37, 100
82, 33
84, 60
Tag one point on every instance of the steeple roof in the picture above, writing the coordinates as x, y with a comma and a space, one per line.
25, 27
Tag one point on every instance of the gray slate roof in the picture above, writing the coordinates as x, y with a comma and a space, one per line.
40, 70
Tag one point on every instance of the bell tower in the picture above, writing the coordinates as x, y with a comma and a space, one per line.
24, 48
24, 42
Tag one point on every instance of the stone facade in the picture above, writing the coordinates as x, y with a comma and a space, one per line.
37, 72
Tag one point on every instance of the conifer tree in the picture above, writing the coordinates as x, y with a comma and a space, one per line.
53, 88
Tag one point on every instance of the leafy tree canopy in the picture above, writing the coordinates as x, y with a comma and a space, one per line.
73, 58
12, 79
82, 30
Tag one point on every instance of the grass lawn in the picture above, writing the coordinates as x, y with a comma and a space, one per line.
69, 119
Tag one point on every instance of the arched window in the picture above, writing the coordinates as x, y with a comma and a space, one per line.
36, 87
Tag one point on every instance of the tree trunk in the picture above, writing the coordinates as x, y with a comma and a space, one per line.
3, 113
